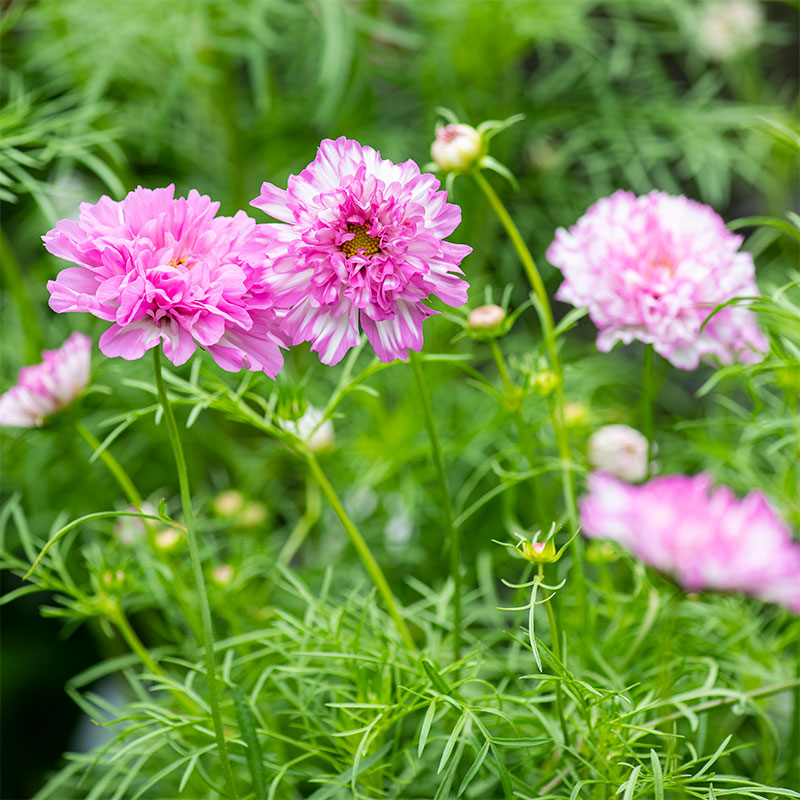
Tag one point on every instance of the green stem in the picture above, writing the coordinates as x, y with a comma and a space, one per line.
114, 467
361, 547
514, 404
648, 401
794, 749
194, 553
548, 330
305, 524
556, 644
453, 539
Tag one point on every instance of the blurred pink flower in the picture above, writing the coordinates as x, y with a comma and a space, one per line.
43, 389
361, 240
707, 539
166, 269
619, 450
653, 268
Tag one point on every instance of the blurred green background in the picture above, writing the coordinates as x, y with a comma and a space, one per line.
99, 96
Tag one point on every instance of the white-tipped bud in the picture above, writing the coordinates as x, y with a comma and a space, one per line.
485, 318
222, 574
318, 435
456, 147
168, 539
228, 503
575, 414
253, 514
727, 27
620, 451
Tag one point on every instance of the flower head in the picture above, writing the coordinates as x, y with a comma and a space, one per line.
706, 538
486, 318
727, 27
619, 450
361, 240
457, 147
317, 433
654, 268
166, 269
43, 389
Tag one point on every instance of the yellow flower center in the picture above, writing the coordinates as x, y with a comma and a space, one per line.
361, 241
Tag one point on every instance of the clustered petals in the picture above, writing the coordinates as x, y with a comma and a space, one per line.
167, 270
360, 245
654, 268
45, 388
706, 538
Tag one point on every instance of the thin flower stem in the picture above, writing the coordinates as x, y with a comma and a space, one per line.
114, 467
453, 539
118, 617
194, 553
548, 331
361, 547
648, 401
556, 644
522, 427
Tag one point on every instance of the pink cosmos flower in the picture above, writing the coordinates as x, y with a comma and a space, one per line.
707, 539
360, 240
653, 268
43, 389
167, 270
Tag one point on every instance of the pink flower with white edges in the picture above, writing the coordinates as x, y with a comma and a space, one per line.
166, 269
654, 268
361, 240
43, 389
706, 538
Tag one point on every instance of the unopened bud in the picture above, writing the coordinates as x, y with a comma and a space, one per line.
545, 382
485, 318
222, 574
619, 450
456, 147
228, 503
254, 513
539, 552
167, 539
575, 414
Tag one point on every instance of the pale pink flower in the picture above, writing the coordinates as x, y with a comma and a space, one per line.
43, 389
360, 241
619, 450
653, 268
485, 318
727, 27
167, 270
706, 538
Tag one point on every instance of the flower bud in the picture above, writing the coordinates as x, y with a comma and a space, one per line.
316, 433
222, 574
253, 514
456, 147
727, 27
575, 414
545, 382
168, 539
486, 318
620, 451
539, 552
228, 503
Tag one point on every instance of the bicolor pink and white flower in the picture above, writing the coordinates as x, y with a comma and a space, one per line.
43, 389
360, 245
166, 269
653, 268
706, 538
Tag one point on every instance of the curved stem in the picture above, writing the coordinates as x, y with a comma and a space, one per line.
548, 331
556, 643
648, 401
361, 547
194, 553
453, 539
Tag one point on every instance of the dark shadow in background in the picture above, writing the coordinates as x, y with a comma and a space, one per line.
37, 718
